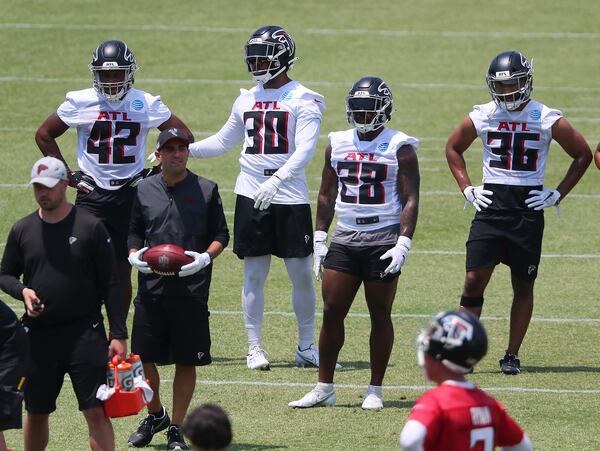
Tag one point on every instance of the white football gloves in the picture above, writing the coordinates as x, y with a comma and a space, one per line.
319, 253
266, 192
200, 261
542, 199
476, 196
398, 254
135, 259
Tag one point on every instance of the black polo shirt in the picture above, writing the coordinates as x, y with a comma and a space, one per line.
189, 214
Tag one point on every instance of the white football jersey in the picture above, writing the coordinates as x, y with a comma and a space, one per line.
368, 178
111, 136
515, 144
270, 122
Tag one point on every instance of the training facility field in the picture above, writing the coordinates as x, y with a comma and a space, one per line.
434, 56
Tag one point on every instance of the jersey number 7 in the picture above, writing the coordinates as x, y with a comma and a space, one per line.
102, 143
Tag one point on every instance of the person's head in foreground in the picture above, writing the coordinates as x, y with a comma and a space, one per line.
208, 428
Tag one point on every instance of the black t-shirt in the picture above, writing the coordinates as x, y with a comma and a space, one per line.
189, 214
71, 266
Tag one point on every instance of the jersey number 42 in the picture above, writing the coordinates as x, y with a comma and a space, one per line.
102, 143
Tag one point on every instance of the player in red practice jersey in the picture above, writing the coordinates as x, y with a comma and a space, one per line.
456, 415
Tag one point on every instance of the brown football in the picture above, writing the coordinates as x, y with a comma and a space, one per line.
166, 259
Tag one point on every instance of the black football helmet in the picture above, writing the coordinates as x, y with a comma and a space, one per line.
510, 69
369, 95
276, 45
456, 338
113, 56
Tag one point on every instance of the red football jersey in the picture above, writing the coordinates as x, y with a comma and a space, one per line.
459, 416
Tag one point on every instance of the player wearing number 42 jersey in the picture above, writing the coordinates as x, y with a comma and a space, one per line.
112, 120
371, 179
456, 415
516, 133
278, 121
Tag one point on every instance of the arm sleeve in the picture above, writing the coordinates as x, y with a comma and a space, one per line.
413, 436
223, 141
68, 112
110, 290
307, 135
136, 238
158, 112
11, 268
523, 445
217, 225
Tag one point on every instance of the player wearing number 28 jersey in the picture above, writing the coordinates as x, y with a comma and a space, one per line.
516, 133
112, 121
371, 180
278, 122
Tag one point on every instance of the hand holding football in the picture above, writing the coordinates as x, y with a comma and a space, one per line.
166, 259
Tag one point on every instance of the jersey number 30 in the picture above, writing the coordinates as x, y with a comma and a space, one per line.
268, 130
102, 143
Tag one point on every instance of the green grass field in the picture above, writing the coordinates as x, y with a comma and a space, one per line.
434, 56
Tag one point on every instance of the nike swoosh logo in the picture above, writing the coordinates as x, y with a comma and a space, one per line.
95, 325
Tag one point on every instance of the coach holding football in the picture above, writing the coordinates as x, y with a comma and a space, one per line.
69, 268
170, 323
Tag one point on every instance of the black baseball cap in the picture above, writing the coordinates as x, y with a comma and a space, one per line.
169, 134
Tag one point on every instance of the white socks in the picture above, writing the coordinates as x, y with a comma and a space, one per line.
256, 270
304, 298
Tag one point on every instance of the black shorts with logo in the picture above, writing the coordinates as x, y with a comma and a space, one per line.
113, 207
281, 230
512, 238
170, 330
14, 361
361, 261
79, 349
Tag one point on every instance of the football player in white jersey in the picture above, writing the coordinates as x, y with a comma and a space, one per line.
112, 121
278, 122
371, 180
516, 132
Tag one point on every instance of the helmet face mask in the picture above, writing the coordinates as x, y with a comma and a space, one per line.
510, 80
369, 104
113, 65
269, 52
456, 339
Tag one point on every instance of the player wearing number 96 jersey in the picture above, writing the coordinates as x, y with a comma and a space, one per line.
516, 132
278, 123
371, 179
112, 120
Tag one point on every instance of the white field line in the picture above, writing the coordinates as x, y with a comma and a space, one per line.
394, 315
390, 387
316, 83
311, 31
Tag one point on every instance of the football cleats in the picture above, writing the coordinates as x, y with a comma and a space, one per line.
275, 45
510, 80
113, 56
456, 338
369, 104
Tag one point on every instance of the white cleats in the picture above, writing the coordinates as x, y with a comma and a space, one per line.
315, 398
256, 358
373, 399
309, 358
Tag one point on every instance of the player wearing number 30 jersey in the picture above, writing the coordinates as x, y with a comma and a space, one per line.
516, 133
371, 179
112, 121
278, 122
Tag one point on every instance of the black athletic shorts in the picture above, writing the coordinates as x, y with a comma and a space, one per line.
281, 230
170, 330
114, 209
14, 361
514, 239
79, 349
361, 261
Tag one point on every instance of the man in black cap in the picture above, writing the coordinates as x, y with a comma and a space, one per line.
170, 323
